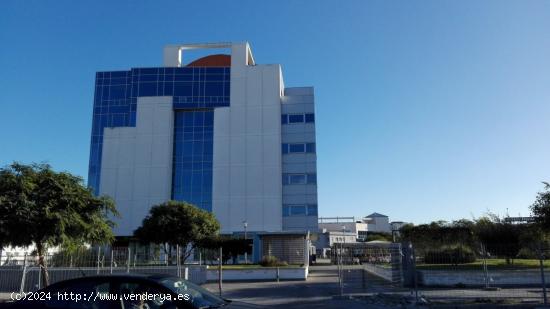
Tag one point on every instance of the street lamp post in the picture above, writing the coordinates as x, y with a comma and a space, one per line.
245, 224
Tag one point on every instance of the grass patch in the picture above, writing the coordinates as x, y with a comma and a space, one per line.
495, 264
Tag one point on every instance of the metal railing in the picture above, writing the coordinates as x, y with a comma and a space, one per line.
23, 273
441, 275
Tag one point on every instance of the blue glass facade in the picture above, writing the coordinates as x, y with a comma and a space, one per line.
193, 151
195, 90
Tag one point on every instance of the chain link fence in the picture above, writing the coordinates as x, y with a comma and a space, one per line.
23, 272
496, 275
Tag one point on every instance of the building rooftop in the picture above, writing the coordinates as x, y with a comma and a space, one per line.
376, 215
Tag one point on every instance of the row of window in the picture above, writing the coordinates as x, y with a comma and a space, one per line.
299, 148
299, 179
299, 210
297, 118
193, 148
164, 71
115, 104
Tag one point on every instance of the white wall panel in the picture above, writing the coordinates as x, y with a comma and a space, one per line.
250, 156
137, 162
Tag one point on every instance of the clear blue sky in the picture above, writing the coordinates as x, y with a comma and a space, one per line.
426, 110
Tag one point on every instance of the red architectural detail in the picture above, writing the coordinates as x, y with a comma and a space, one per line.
219, 60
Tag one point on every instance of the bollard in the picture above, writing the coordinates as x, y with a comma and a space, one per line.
111, 261
186, 273
178, 266
220, 272
543, 281
278, 274
128, 260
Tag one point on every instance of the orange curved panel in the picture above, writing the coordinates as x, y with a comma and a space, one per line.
219, 60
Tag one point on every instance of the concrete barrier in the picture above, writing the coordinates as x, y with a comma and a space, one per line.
258, 274
474, 278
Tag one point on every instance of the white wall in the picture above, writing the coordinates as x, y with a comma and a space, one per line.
136, 168
352, 227
247, 149
299, 100
379, 224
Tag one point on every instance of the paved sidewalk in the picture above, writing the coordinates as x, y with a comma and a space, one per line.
316, 292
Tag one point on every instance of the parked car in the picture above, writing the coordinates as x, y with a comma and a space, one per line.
125, 292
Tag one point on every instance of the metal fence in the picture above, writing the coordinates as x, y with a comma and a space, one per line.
23, 272
441, 275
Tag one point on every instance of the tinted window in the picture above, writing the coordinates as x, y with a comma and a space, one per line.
200, 297
297, 210
81, 288
310, 118
142, 295
285, 148
295, 118
312, 178
286, 211
310, 147
311, 210
296, 147
297, 179
285, 179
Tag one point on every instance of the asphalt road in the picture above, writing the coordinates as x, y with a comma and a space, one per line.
317, 292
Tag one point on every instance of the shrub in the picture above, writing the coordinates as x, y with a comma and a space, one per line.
526, 253
272, 261
450, 255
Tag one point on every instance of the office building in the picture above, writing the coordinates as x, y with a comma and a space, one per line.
221, 132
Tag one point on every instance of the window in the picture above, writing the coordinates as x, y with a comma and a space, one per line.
299, 210
200, 297
299, 179
82, 287
295, 179
285, 148
296, 118
286, 211
298, 148
133, 296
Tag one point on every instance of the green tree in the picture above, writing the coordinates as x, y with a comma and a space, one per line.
177, 223
541, 208
46, 208
437, 234
500, 238
380, 236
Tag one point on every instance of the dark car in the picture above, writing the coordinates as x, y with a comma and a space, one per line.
125, 292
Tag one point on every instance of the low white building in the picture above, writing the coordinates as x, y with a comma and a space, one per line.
326, 239
397, 225
377, 222
17, 255
344, 224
